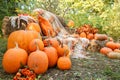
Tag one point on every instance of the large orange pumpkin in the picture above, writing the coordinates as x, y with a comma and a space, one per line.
105, 50
22, 37
13, 59
38, 61
52, 55
64, 63
33, 46
33, 26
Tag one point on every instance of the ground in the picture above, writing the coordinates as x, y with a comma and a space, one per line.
98, 68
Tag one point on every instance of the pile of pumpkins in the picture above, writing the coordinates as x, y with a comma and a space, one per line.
111, 50
27, 48
87, 31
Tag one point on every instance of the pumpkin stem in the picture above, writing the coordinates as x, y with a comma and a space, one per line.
65, 52
62, 44
16, 45
36, 45
48, 41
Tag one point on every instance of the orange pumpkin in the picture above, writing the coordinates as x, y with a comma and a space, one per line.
52, 41
33, 26
22, 37
117, 45
105, 50
64, 63
62, 50
33, 47
117, 50
83, 35
38, 61
70, 23
13, 59
52, 55
90, 36
111, 45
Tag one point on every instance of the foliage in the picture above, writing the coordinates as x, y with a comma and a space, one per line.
112, 17
103, 14
7, 8
29, 5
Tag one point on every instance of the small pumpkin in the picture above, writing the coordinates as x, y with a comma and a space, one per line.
33, 26
52, 55
13, 59
117, 45
114, 55
90, 36
64, 63
111, 45
105, 50
61, 49
52, 41
38, 61
71, 23
83, 35
22, 37
117, 50
33, 47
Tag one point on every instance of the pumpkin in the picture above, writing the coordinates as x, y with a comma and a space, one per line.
111, 45
22, 37
13, 59
117, 50
62, 49
33, 47
83, 35
45, 26
52, 55
38, 61
100, 37
33, 26
105, 50
117, 45
52, 41
70, 23
90, 36
114, 55
64, 63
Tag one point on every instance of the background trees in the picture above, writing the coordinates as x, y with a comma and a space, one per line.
103, 14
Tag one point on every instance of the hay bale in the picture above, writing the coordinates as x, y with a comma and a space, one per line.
14, 23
